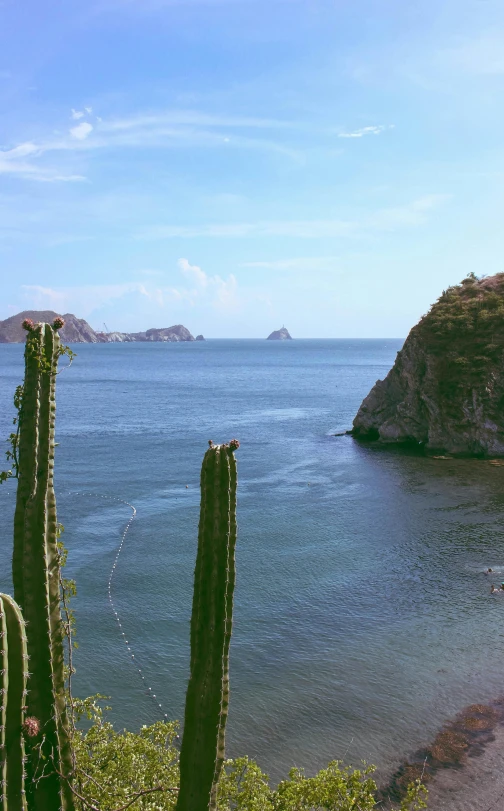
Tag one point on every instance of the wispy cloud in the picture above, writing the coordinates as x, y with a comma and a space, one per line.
202, 288
294, 228
374, 130
12, 162
76, 114
482, 55
81, 299
386, 219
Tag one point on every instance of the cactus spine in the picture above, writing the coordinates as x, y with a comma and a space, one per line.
207, 699
13, 675
35, 570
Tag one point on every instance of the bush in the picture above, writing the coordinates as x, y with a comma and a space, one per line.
114, 768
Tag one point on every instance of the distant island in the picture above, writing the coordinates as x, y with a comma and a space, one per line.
280, 335
76, 330
445, 392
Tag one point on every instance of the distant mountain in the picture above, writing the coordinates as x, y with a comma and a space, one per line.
168, 334
76, 330
280, 335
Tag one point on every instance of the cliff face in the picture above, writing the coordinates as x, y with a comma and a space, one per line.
446, 388
75, 331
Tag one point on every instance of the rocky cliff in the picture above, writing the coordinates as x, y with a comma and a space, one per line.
167, 334
280, 335
445, 391
76, 330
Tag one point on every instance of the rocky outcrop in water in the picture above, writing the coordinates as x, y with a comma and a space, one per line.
200, 338
76, 330
280, 335
445, 391
167, 334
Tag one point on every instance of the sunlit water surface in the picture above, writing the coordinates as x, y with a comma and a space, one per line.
362, 618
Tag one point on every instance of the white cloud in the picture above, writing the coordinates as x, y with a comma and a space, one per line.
375, 130
193, 272
76, 114
84, 300
81, 131
88, 110
221, 292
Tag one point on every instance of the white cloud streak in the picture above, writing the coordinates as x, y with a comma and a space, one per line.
373, 130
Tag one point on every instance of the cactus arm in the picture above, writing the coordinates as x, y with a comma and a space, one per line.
36, 576
202, 752
27, 457
4, 685
16, 666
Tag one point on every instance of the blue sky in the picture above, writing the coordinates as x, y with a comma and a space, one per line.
234, 165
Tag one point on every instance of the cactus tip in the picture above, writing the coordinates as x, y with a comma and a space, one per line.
234, 444
28, 324
31, 726
58, 323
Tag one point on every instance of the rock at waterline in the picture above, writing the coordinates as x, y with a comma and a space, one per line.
445, 391
280, 335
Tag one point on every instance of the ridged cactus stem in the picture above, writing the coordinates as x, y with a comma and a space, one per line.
202, 752
13, 676
36, 575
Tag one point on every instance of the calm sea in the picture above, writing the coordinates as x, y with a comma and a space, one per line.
362, 617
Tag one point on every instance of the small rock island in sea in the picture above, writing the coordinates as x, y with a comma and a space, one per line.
445, 391
76, 330
280, 335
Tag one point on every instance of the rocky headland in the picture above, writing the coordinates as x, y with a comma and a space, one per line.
280, 335
445, 392
76, 330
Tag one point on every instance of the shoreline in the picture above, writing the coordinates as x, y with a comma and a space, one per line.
462, 768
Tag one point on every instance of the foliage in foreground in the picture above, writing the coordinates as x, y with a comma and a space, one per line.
115, 767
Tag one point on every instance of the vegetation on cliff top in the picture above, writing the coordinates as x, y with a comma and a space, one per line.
464, 330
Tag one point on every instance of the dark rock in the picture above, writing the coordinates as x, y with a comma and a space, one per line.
445, 392
199, 338
280, 335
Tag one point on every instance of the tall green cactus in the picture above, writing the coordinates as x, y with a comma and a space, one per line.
35, 571
207, 699
13, 676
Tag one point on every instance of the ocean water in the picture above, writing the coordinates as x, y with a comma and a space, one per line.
362, 616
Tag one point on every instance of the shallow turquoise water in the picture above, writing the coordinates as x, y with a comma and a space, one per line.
362, 617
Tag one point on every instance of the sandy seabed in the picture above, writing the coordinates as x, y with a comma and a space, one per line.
477, 785
462, 768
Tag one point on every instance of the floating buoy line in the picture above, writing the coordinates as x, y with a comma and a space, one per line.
149, 691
